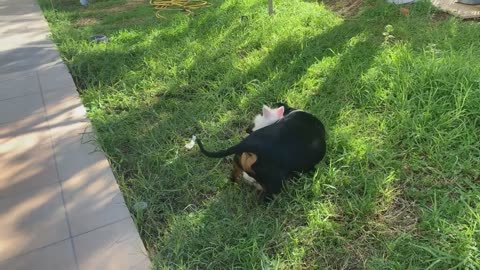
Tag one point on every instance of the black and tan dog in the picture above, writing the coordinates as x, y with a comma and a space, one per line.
243, 163
295, 143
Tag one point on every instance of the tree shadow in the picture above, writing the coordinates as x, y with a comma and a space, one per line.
193, 217
176, 115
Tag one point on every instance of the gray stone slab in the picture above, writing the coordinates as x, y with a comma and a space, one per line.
58, 256
56, 192
28, 56
20, 86
113, 247
93, 199
458, 9
26, 165
15, 109
31, 220
56, 78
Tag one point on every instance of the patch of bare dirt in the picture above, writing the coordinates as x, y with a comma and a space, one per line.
401, 216
86, 21
123, 7
346, 8
133, 21
440, 16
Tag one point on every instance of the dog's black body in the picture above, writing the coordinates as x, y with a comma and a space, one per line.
295, 143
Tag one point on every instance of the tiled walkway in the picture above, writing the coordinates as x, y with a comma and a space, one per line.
458, 9
60, 205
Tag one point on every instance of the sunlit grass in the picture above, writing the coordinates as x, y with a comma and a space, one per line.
399, 188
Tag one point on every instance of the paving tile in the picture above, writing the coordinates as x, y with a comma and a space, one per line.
34, 230
26, 153
17, 41
31, 220
16, 2
32, 130
65, 113
21, 55
26, 166
22, 27
59, 256
92, 198
15, 75
55, 78
19, 86
458, 9
114, 247
13, 18
15, 109
18, 74
20, 9
78, 153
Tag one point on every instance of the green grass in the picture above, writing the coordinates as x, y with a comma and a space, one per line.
400, 188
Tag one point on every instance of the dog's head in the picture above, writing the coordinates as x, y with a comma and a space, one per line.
266, 118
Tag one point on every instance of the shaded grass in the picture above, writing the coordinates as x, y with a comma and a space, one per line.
400, 187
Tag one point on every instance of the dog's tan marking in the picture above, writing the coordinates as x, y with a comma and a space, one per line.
236, 172
242, 163
247, 160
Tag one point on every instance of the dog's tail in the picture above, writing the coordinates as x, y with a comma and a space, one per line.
222, 153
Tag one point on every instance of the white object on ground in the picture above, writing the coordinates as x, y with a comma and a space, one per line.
191, 144
84, 2
140, 205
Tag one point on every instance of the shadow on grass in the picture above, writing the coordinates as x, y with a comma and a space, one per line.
194, 218
174, 186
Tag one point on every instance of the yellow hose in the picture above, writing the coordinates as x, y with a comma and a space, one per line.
183, 5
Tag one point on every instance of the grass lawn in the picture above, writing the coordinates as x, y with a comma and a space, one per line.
400, 185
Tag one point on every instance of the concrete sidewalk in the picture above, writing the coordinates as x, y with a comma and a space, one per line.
60, 205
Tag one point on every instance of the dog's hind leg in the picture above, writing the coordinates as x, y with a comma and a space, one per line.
237, 170
271, 178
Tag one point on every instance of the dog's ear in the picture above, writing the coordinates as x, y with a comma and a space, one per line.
279, 111
266, 111
287, 109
